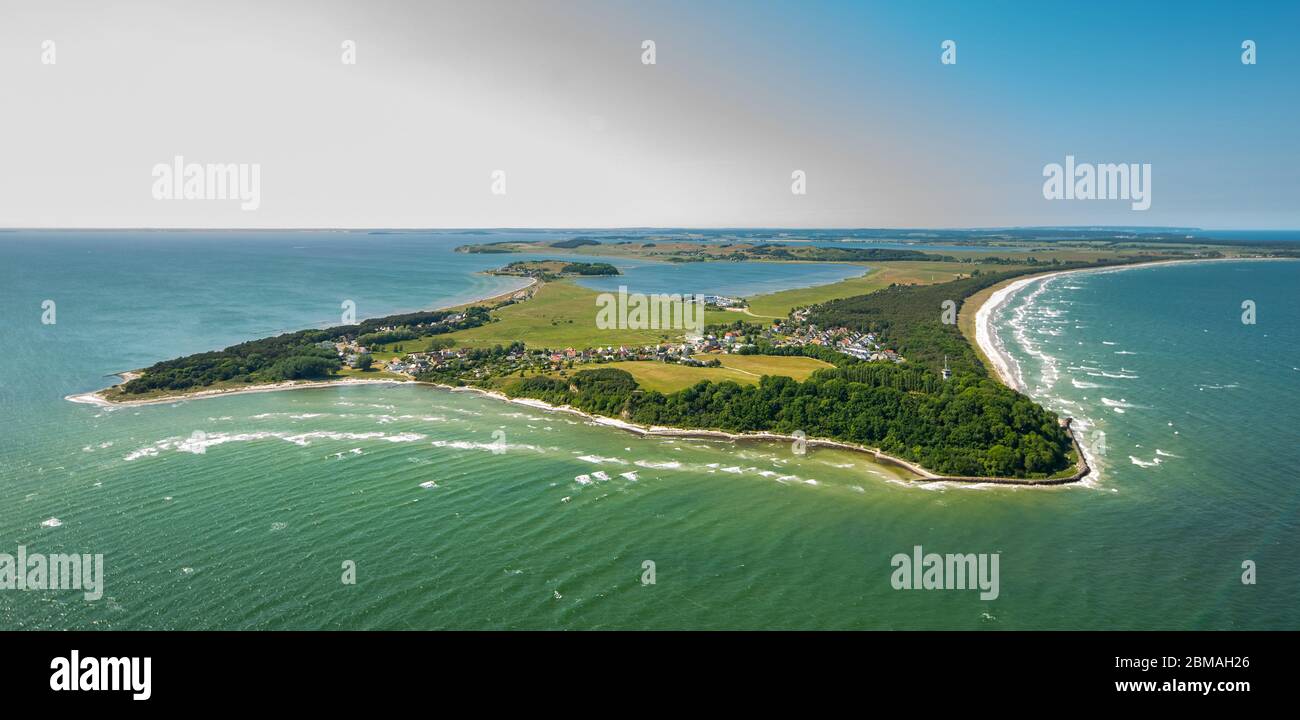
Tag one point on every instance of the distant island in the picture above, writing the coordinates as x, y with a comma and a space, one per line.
556, 269
679, 251
871, 363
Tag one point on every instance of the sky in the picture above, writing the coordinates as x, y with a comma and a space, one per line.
556, 96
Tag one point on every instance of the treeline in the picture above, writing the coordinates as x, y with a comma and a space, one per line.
297, 355
911, 317
910, 320
575, 242
290, 356
589, 268
836, 254
966, 426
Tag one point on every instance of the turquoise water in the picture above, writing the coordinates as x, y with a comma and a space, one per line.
247, 524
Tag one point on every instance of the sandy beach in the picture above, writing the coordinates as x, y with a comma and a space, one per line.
96, 398
1005, 367
991, 345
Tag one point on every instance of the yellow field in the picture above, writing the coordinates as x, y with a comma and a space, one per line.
744, 369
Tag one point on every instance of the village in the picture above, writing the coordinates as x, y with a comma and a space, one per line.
466, 364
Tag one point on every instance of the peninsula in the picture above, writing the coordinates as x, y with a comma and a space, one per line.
876, 363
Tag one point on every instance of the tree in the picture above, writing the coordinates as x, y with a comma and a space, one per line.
364, 361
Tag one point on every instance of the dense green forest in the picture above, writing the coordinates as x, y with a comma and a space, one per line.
836, 254
589, 268
969, 425
296, 355
911, 317
574, 242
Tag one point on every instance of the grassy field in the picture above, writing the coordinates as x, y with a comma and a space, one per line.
668, 377
881, 275
561, 314
744, 369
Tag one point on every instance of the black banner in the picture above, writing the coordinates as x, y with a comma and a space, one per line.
333, 669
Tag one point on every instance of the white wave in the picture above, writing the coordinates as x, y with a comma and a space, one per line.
305, 439
598, 460
653, 465
1084, 384
600, 475
142, 452
582, 479
630, 475
429, 485
1144, 463
51, 523
488, 446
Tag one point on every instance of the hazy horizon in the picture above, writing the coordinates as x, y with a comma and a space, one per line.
558, 97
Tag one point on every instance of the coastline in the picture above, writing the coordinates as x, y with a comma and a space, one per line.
990, 344
877, 455
95, 397
1081, 469
986, 340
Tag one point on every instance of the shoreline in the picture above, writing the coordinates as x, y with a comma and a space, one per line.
991, 345
877, 456
988, 341
95, 397
532, 284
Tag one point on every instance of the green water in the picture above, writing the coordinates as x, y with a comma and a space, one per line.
248, 524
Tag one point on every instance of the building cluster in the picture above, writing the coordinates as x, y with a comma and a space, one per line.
696, 351
722, 301
863, 346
